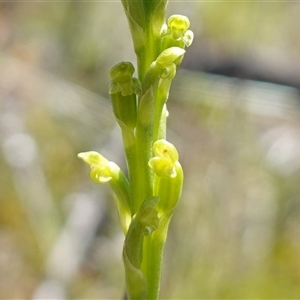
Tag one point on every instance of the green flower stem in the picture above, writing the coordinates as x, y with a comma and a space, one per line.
130, 150
120, 188
168, 181
143, 185
155, 17
153, 256
152, 51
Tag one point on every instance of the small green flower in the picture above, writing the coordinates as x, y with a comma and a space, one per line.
178, 25
176, 32
123, 90
122, 80
168, 177
165, 159
102, 170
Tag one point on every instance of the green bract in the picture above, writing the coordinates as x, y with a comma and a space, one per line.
147, 196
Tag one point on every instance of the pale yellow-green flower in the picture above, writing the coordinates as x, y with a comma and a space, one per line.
177, 29
165, 159
102, 170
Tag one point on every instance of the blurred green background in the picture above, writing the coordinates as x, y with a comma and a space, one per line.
236, 232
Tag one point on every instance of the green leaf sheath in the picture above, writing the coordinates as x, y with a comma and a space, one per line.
144, 223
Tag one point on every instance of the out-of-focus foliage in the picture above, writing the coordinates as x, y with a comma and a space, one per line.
236, 233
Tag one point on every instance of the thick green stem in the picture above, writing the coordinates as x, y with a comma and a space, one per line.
143, 136
153, 256
143, 224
